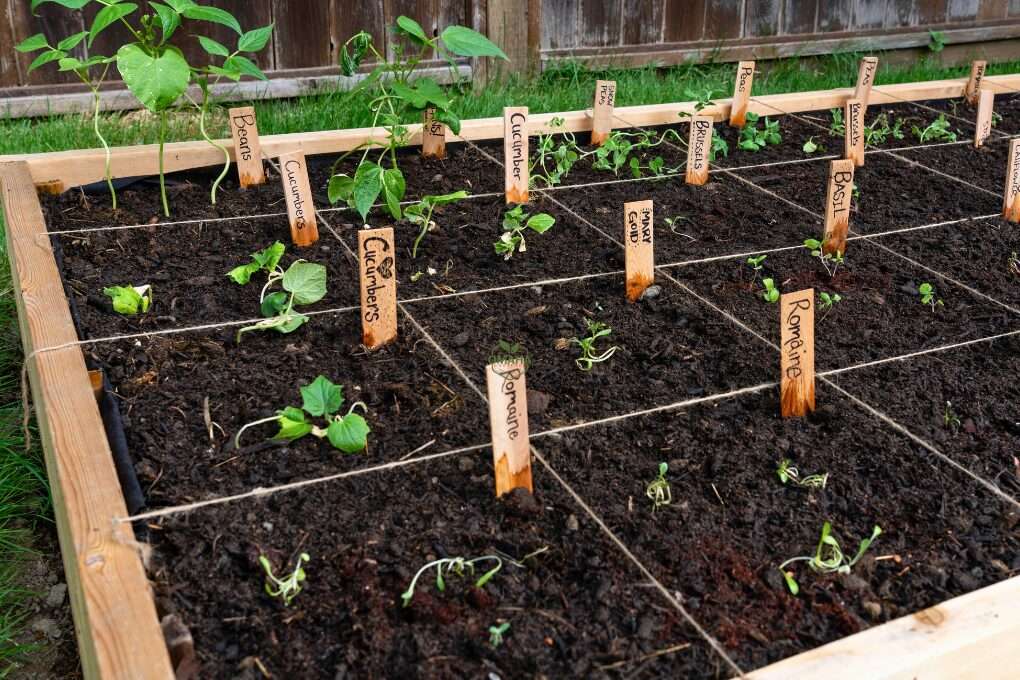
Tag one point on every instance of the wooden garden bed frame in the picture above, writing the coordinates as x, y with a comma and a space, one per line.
119, 637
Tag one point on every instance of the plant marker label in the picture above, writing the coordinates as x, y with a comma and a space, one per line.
378, 287
602, 111
797, 384
1011, 199
433, 136
983, 128
298, 194
865, 79
837, 206
508, 419
977, 74
741, 93
247, 147
638, 234
698, 146
515, 153
853, 136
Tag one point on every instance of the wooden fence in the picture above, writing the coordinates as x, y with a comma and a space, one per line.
627, 32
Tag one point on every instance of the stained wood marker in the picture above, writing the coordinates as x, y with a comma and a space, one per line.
433, 135
602, 111
247, 146
977, 74
698, 146
741, 93
638, 235
797, 331
515, 153
837, 206
376, 259
298, 195
1011, 197
983, 123
853, 137
508, 420
865, 79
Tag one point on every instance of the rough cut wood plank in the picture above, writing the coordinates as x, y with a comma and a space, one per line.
869, 14
971, 637
302, 33
561, 20
115, 618
684, 20
600, 23
723, 19
642, 21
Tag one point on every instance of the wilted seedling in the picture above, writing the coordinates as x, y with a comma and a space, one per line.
129, 300
453, 565
515, 221
420, 214
789, 474
828, 557
938, 131
288, 588
831, 261
589, 355
658, 489
929, 296
496, 633
949, 417
771, 293
320, 399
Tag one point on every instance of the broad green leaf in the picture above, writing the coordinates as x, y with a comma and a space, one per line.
69, 4
321, 397
45, 58
450, 118
181, 5
340, 188
212, 14
71, 41
213, 47
129, 300
465, 42
157, 82
443, 199
245, 66
268, 258
540, 222
349, 434
292, 424
216, 70
71, 64
413, 29
242, 275
109, 15
307, 281
255, 40
408, 94
169, 19
274, 304
291, 323
393, 190
36, 42
368, 184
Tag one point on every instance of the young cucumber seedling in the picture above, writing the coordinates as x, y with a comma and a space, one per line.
287, 588
929, 296
320, 399
830, 261
589, 355
515, 221
828, 557
658, 489
303, 283
129, 300
453, 565
789, 474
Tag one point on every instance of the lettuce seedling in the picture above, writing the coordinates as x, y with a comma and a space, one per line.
928, 296
789, 474
828, 557
827, 302
320, 399
130, 300
658, 489
756, 263
771, 293
949, 418
515, 221
287, 588
453, 565
830, 261
589, 356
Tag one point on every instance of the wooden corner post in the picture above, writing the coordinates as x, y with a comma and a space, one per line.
244, 130
977, 74
515, 153
797, 331
1011, 196
378, 268
741, 93
508, 419
297, 193
602, 111
837, 206
433, 135
638, 235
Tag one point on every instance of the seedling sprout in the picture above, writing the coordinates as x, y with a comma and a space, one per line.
1014, 263
831, 261
789, 474
515, 222
453, 565
938, 131
810, 146
130, 300
658, 489
755, 263
496, 633
929, 296
771, 293
287, 588
949, 417
827, 302
420, 214
828, 558
753, 138
589, 355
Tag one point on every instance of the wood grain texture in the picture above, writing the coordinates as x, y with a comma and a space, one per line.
834, 15
115, 618
723, 19
302, 34
799, 16
870, 14
762, 18
683, 20
642, 22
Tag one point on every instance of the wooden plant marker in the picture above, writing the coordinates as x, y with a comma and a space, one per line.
698, 146
247, 146
638, 233
515, 153
741, 93
977, 74
797, 341
433, 136
865, 79
508, 419
837, 206
298, 194
602, 111
1011, 197
853, 137
378, 286
983, 127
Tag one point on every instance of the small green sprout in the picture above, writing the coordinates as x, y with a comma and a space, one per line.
658, 489
675, 222
288, 588
771, 293
420, 214
929, 295
938, 130
810, 146
756, 263
589, 356
129, 300
320, 398
453, 565
828, 558
515, 221
831, 261
827, 302
496, 633
506, 352
949, 417
720, 147
754, 139
837, 127
789, 474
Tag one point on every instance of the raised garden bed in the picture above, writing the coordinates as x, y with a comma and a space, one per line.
916, 426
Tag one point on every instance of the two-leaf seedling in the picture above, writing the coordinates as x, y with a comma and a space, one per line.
453, 565
496, 633
303, 283
828, 558
129, 300
789, 474
771, 293
929, 296
827, 301
831, 261
589, 355
286, 588
320, 399
515, 222
658, 490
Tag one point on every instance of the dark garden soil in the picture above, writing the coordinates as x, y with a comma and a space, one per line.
1007, 105
984, 166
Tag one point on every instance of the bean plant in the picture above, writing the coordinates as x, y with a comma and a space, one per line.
515, 222
453, 565
828, 558
286, 588
420, 214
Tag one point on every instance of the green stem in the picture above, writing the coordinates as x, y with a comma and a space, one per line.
226, 154
106, 147
162, 174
